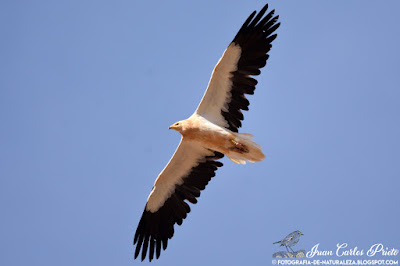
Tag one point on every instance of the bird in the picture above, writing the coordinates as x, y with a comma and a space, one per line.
209, 134
290, 240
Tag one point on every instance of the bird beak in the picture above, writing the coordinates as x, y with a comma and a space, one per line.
302, 234
176, 127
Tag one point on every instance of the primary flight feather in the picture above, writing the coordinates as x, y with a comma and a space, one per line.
209, 134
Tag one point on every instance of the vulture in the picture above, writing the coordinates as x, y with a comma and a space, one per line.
209, 134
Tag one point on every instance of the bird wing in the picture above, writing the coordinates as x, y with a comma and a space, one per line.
188, 172
230, 80
290, 238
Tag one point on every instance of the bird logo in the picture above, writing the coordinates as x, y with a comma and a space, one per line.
290, 240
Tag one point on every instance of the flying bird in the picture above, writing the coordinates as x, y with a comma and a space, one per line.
290, 240
209, 134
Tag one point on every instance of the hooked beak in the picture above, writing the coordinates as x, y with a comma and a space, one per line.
174, 127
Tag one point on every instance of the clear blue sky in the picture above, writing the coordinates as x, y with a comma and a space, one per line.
89, 88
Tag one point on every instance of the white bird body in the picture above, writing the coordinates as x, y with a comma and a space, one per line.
220, 139
199, 136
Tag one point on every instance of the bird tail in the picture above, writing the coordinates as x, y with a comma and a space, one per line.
243, 149
277, 242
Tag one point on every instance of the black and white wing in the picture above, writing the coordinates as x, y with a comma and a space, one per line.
230, 81
187, 173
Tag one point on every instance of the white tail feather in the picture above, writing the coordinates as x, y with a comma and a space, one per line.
254, 153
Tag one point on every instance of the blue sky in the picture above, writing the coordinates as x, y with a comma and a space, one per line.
89, 88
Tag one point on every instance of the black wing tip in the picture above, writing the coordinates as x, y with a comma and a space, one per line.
255, 39
154, 229
259, 22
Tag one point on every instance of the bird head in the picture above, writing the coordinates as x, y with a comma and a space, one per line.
177, 126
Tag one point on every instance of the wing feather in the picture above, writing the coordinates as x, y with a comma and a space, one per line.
187, 173
230, 81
